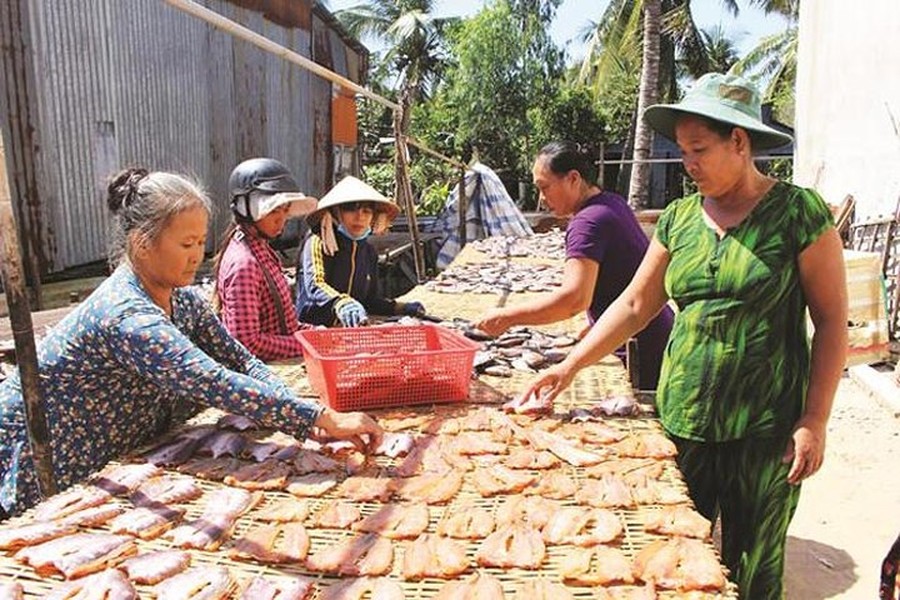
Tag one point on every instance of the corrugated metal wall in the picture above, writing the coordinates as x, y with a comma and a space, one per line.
122, 82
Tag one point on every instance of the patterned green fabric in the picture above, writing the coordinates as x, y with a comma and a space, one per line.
746, 481
737, 361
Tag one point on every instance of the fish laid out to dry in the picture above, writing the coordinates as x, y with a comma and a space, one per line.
529, 403
180, 449
432, 454
648, 490
77, 555
92, 517
270, 474
532, 510
549, 244
471, 443
403, 421
166, 490
108, 585
208, 531
582, 527
274, 543
213, 469
528, 458
591, 432
222, 443
12, 591
648, 592
648, 467
566, 449
293, 588
366, 489
198, 583
70, 501
276, 445
283, 510
679, 564
366, 554
610, 491
308, 461
311, 485
486, 278
518, 545
153, 567
396, 521
646, 445
121, 480
364, 588
600, 565
429, 488
394, 445
147, 522
542, 589
479, 586
500, 480
466, 522
555, 485
236, 422
431, 555
30, 534
337, 514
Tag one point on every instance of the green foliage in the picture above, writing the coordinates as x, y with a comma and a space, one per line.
569, 115
506, 64
617, 104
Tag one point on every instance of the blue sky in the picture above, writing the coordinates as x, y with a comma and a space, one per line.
573, 15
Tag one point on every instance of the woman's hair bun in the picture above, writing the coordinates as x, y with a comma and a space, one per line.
123, 188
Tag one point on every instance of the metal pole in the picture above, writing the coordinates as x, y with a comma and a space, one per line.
23, 335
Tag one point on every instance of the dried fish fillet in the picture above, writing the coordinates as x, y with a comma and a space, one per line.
595, 566
518, 545
154, 567
284, 510
500, 480
277, 543
337, 514
146, 522
120, 480
396, 521
466, 522
366, 489
77, 555
270, 474
480, 586
294, 588
368, 588
198, 583
311, 485
433, 556
679, 564
542, 589
30, 534
108, 585
12, 591
166, 490
70, 501
429, 488
367, 554
582, 527
533, 510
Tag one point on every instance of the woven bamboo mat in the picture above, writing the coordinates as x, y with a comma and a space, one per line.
598, 381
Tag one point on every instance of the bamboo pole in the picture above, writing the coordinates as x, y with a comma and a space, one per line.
403, 188
23, 335
238, 30
463, 208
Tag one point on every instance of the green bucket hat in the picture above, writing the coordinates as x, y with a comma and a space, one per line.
725, 98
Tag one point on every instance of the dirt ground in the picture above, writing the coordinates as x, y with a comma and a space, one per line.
849, 512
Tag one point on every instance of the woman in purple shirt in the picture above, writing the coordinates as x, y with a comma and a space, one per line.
604, 246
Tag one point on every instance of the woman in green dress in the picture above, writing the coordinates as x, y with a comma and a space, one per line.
742, 394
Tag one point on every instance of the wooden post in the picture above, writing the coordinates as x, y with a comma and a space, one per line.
23, 335
463, 207
403, 186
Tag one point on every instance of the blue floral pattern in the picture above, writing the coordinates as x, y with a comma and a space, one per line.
118, 371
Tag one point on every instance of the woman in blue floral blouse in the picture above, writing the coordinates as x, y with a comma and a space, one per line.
144, 352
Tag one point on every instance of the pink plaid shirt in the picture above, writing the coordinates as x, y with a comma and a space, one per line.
248, 310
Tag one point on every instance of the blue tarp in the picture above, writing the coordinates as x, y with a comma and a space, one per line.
491, 211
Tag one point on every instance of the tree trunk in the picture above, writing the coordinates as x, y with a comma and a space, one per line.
643, 136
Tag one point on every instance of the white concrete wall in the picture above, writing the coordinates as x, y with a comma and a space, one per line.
848, 102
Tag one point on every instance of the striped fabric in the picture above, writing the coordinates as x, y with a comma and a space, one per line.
491, 211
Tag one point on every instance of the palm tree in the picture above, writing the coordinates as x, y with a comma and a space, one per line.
721, 51
413, 36
774, 59
658, 31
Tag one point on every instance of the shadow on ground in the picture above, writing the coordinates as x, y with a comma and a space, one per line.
816, 571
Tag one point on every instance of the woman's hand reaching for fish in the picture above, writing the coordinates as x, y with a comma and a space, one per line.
539, 396
494, 323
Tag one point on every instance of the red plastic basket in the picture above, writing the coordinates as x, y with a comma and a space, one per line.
379, 367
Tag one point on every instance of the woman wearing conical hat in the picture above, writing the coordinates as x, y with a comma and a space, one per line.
337, 271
